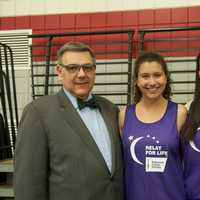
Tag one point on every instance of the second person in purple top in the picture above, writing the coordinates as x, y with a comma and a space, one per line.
150, 134
191, 141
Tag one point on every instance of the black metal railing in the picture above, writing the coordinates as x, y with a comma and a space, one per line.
179, 46
8, 99
114, 52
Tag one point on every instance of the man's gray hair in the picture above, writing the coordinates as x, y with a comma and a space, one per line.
75, 47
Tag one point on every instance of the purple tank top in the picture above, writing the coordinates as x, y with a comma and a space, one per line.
153, 169
192, 167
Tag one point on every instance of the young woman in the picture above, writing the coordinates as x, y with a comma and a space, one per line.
150, 134
191, 141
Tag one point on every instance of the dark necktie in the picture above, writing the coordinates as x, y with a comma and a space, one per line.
91, 103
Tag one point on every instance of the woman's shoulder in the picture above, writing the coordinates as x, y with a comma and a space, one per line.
122, 113
182, 110
188, 104
181, 115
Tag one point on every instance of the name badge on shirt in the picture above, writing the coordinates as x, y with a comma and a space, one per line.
155, 164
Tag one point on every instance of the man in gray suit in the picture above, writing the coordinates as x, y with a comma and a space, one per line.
68, 145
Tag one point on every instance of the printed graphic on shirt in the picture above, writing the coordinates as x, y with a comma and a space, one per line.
155, 155
195, 146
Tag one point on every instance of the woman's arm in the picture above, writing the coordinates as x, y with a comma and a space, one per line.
181, 116
121, 119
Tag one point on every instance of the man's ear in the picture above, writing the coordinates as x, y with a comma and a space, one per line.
59, 72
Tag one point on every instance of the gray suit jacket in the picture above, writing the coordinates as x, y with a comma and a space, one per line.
56, 157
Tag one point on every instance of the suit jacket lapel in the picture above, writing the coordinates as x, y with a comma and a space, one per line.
74, 120
111, 130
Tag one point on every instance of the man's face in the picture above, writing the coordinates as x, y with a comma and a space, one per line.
81, 81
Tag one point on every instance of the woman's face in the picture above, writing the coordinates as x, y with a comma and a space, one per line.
151, 80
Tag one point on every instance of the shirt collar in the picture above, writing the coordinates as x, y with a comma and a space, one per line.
73, 99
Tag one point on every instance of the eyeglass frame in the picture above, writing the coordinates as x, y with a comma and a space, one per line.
75, 68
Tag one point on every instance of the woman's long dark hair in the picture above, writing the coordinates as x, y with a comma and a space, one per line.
193, 122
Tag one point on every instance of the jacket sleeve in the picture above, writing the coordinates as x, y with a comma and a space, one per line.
31, 158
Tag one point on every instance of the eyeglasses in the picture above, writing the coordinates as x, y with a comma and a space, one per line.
74, 68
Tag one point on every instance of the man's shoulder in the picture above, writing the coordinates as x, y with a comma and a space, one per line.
43, 102
104, 102
44, 99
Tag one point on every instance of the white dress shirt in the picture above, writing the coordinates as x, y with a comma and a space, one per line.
97, 127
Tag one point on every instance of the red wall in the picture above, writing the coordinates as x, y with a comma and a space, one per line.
136, 19
91, 21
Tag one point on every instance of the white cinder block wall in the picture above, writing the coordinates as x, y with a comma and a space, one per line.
32, 7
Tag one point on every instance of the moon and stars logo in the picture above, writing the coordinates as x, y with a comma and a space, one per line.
193, 145
155, 156
132, 149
